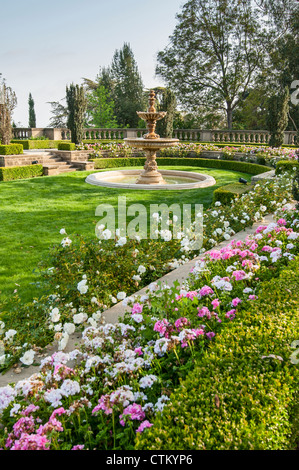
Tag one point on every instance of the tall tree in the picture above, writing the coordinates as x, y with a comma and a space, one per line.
32, 116
59, 113
128, 89
101, 108
166, 102
277, 118
77, 105
214, 54
8, 102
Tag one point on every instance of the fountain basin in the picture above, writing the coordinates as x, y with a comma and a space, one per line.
175, 180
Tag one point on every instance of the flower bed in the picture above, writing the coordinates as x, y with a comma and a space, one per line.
243, 393
123, 375
121, 265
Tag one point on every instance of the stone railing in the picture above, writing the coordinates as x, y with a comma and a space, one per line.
184, 135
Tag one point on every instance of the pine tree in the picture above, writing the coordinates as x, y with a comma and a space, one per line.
77, 105
128, 90
277, 118
32, 116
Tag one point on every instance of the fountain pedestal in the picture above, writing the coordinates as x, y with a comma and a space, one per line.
151, 143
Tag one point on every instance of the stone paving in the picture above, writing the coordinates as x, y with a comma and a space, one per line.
113, 314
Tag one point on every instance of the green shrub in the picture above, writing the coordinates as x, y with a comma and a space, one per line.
20, 172
31, 144
239, 397
11, 149
244, 167
66, 146
225, 194
285, 165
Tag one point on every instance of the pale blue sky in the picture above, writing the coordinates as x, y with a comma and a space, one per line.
46, 45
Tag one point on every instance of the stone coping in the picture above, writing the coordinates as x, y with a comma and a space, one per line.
115, 313
104, 179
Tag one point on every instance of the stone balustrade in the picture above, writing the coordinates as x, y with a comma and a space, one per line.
184, 135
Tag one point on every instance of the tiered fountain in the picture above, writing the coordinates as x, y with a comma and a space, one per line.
150, 177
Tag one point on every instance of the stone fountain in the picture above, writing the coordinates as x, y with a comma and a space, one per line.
150, 178
150, 143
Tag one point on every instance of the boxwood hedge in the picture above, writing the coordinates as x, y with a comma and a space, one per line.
20, 172
244, 167
11, 149
285, 165
243, 395
226, 193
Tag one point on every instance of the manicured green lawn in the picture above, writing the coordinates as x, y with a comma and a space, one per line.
33, 211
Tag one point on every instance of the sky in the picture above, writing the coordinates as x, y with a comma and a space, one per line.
46, 45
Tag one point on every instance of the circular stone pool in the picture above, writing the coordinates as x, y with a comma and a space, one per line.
175, 180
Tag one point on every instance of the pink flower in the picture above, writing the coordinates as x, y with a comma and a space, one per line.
78, 447
239, 275
134, 411
204, 311
215, 303
160, 326
210, 334
181, 322
230, 314
31, 442
206, 290
137, 308
236, 301
145, 424
282, 222
252, 297
138, 351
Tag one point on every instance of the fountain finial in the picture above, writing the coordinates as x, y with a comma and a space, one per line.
152, 101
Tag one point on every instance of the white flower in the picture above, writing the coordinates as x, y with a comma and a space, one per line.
121, 241
137, 317
70, 387
28, 357
217, 203
2, 326
10, 334
141, 269
147, 381
136, 277
63, 341
121, 295
79, 318
82, 287
55, 315
214, 213
66, 242
69, 328
62, 231
166, 235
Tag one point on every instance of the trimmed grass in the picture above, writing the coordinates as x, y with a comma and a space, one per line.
34, 210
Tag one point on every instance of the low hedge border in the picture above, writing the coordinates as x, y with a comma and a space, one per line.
66, 146
225, 194
285, 165
239, 397
38, 144
20, 172
11, 149
244, 167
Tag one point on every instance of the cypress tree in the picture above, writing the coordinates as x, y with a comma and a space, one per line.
166, 102
277, 118
76, 105
8, 102
32, 116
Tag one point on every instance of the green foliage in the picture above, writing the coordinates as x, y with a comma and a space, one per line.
66, 146
286, 165
225, 194
11, 149
277, 118
167, 102
243, 393
101, 108
38, 144
244, 167
20, 172
32, 116
128, 90
76, 105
